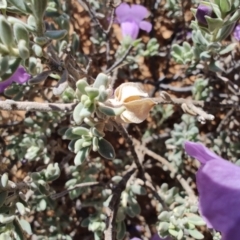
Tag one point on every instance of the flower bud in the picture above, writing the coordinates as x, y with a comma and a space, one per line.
202, 11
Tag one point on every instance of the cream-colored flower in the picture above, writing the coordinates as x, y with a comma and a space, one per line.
136, 102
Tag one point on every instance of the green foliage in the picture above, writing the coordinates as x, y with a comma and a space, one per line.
173, 7
182, 54
96, 223
181, 220
32, 145
226, 145
186, 130
81, 175
201, 89
207, 45
152, 48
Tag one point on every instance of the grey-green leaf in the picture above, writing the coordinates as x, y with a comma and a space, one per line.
21, 208
4, 180
136, 208
70, 135
102, 79
76, 113
121, 230
3, 4
56, 35
26, 226
6, 32
20, 32
195, 234
81, 131
91, 92
109, 111
196, 220
106, 149
3, 64
81, 156
5, 235
62, 84
78, 145
39, 8
3, 196
40, 77
5, 218
20, 5
85, 222
18, 229
228, 48
138, 189
23, 49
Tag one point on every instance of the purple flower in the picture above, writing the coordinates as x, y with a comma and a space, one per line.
236, 32
218, 184
202, 11
131, 19
19, 76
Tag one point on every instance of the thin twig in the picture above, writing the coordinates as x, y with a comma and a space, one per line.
225, 120
10, 105
12, 186
111, 210
150, 185
150, 153
129, 141
80, 185
183, 19
94, 17
173, 171
111, 20
85, 4
118, 62
203, 104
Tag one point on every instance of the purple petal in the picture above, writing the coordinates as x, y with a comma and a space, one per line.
138, 12
19, 76
189, 34
130, 29
200, 152
232, 233
5, 84
219, 191
122, 12
236, 32
146, 26
219, 194
202, 11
